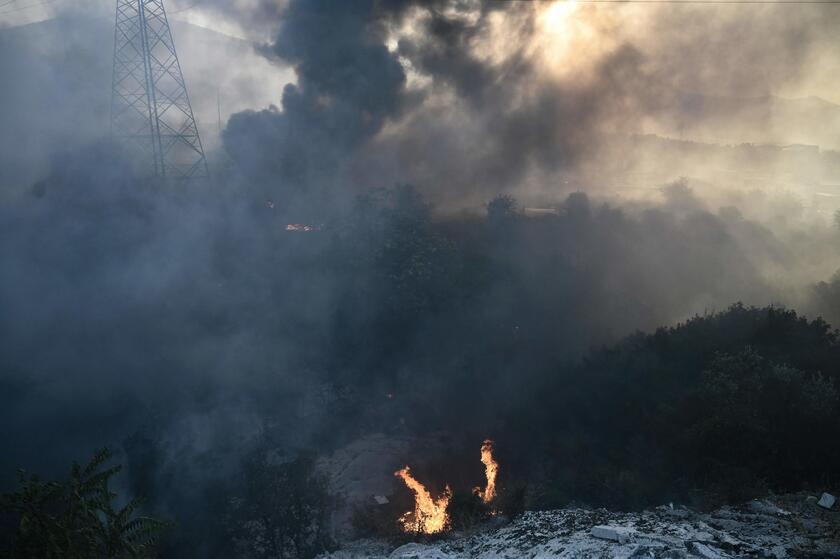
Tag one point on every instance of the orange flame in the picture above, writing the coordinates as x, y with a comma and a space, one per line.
429, 515
491, 469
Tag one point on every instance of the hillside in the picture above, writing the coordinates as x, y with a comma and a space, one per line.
768, 119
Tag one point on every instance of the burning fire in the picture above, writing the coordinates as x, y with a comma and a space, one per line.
300, 227
429, 515
491, 469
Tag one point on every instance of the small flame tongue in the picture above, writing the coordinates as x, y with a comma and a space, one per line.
429, 515
491, 469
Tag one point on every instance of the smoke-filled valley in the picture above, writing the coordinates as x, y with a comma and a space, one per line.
602, 236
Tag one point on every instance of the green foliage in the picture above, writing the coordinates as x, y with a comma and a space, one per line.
372, 520
754, 418
282, 509
502, 208
577, 206
511, 499
467, 510
826, 298
400, 273
719, 409
77, 518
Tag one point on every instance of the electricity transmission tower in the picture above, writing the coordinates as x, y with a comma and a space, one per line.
150, 108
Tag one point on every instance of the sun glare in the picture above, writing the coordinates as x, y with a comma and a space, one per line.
568, 37
556, 16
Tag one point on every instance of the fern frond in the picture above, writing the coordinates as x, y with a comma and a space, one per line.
102, 455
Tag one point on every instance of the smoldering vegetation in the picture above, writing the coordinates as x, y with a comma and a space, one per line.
191, 329
468, 269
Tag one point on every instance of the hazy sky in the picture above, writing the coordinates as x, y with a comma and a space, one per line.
21, 12
572, 35
496, 96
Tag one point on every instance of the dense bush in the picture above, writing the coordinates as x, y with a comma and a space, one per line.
720, 408
281, 509
372, 520
467, 510
769, 419
75, 518
825, 298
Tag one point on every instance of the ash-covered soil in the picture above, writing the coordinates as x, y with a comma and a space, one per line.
774, 527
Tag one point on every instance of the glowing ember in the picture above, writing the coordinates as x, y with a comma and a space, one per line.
300, 227
429, 515
491, 469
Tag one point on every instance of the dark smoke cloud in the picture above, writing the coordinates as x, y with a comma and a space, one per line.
348, 84
473, 126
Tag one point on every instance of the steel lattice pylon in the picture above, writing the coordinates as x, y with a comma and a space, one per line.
150, 108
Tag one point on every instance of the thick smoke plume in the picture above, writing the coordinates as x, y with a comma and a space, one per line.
472, 99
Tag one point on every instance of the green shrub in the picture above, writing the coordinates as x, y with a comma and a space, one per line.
282, 509
467, 510
511, 500
757, 420
377, 521
722, 408
76, 518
